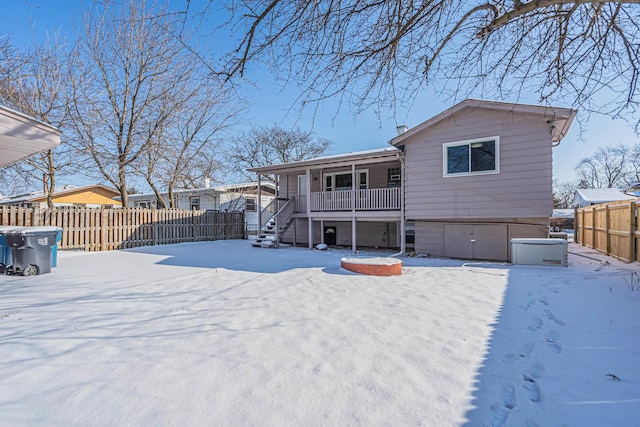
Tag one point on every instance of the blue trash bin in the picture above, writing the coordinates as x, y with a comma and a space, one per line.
5, 250
54, 251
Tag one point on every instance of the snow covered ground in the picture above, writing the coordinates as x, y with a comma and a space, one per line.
223, 334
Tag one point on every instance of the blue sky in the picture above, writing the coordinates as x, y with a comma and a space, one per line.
28, 20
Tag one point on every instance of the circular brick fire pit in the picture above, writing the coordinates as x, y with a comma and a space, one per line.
373, 266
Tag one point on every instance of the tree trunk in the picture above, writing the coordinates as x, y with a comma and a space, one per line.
51, 182
122, 179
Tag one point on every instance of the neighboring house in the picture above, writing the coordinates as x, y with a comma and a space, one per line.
593, 196
236, 197
21, 136
90, 196
461, 185
633, 189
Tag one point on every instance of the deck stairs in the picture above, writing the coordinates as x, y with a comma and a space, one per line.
275, 226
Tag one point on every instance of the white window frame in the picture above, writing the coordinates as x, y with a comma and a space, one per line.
333, 180
446, 145
192, 202
255, 204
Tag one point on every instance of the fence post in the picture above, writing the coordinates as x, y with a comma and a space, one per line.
35, 215
632, 231
103, 229
226, 225
576, 226
593, 228
607, 238
154, 227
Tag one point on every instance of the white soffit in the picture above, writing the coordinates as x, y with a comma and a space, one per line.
22, 136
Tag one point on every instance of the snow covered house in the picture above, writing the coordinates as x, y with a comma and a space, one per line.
87, 196
460, 185
593, 196
236, 197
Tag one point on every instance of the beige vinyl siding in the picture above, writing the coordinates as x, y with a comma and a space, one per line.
429, 238
522, 188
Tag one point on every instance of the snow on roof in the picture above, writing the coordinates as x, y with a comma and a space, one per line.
354, 155
600, 195
216, 189
23, 197
562, 213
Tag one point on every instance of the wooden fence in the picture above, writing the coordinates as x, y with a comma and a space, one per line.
611, 228
108, 229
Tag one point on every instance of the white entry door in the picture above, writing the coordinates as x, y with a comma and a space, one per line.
301, 200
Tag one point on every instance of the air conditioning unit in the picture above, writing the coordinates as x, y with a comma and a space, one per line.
539, 252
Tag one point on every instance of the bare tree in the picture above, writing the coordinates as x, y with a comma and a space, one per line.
130, 88
261, 146
382, 53
37, 84
563, 194
183, 149
634, 164
608, 167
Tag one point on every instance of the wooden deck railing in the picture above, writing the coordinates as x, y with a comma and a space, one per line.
372, 199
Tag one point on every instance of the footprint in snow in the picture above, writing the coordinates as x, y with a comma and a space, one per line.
529, 303
501, 409
536, 324
530, 381
549, 315
552, 342
544, 300
532, 388
534, 371
524, 351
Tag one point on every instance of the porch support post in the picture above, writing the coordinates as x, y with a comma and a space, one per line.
354, 185
260, 203
322, 231
309, 208
403, 237
353, 233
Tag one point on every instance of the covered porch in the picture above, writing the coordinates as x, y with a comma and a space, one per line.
364, 187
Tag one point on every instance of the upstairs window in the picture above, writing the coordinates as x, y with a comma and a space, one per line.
476, 156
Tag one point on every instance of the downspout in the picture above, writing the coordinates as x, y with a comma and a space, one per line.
353, 207
403, 242
260, 204
309, 218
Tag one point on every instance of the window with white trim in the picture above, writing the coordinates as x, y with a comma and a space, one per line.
470, 157
394, 179
250, 204
194, 203
336, 181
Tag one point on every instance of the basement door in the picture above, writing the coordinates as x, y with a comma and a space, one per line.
476, 241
